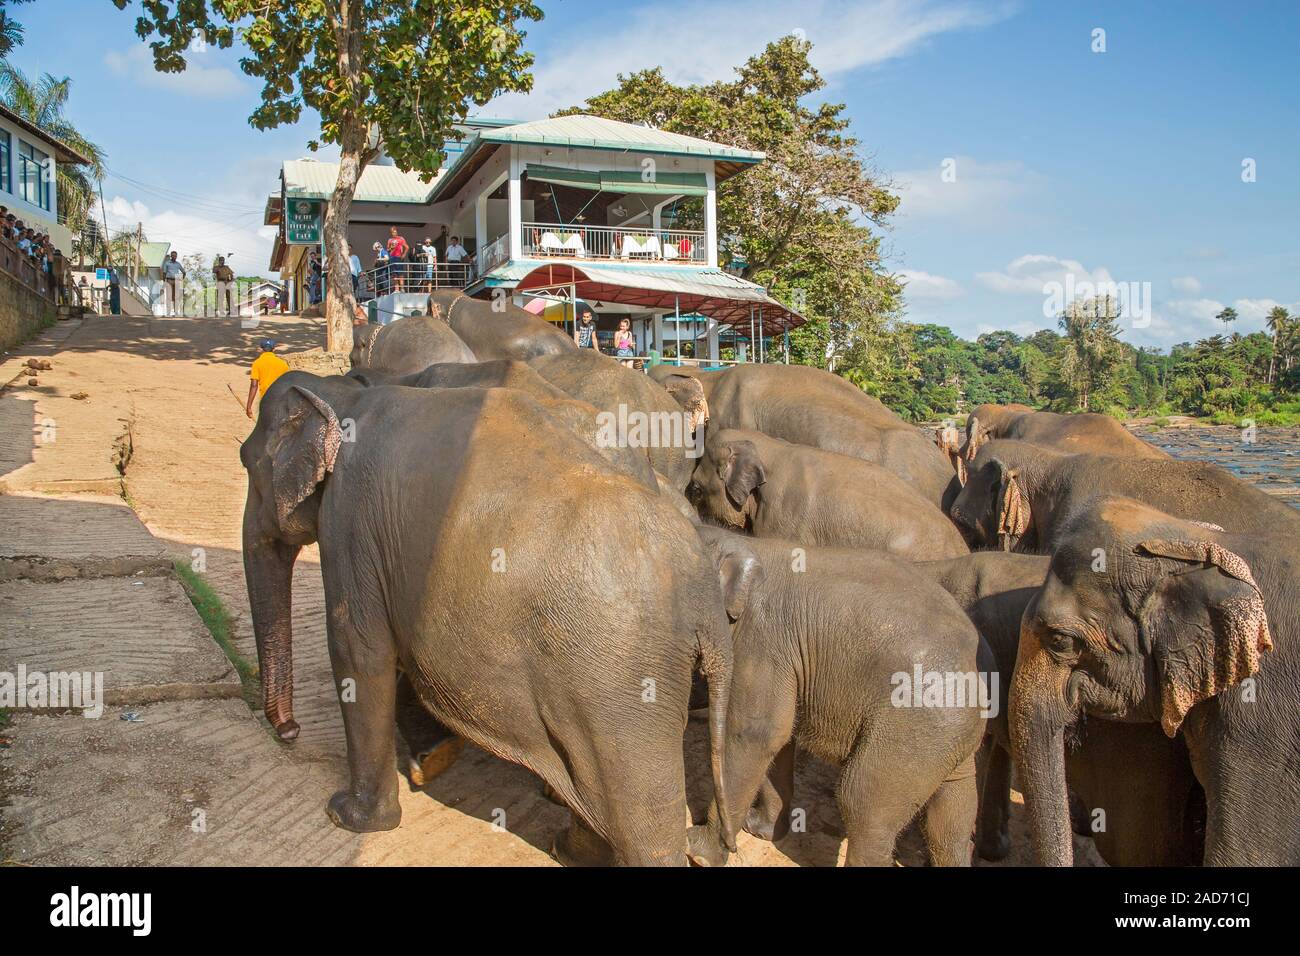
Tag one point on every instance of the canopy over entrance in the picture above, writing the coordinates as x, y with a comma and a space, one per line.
721, 296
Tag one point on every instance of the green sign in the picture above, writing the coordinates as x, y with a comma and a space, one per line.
302, 222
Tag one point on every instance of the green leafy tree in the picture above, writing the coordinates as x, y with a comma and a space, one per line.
1227, 315
1091, 348
800, 223
390, 74
41, 102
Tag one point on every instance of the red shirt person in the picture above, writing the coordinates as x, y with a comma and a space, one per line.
397, 246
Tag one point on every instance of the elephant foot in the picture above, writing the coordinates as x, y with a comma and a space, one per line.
578, 846
704, 848
348, 812
428, 764
758, 825
993, 846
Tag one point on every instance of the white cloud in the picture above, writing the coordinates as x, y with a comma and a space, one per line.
972, 189
845, 36
924, 285
1186, 285
1031, 274
240, 236
199, 79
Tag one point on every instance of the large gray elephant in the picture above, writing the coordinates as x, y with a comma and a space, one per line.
774, 489
1085, 432
807, 406
1178, 625
638, 411
448, 521
581, 417
1017, 493
822, 666
497, 328
407, 345
1141, 779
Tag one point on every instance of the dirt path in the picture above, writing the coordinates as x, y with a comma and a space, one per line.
203, 780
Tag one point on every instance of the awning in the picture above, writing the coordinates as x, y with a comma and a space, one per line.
556, 176
664, 184
721, 296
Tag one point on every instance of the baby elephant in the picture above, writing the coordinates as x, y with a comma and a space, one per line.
891, 690
775, 489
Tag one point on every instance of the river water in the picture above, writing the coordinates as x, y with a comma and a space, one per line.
1266, 457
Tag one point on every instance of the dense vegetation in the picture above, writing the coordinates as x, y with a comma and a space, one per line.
928, 373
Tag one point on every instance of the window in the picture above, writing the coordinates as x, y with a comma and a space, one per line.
34, 182
5, 184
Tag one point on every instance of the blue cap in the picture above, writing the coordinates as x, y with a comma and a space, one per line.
267, 345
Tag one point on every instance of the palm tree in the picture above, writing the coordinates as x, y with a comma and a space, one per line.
1228, 315
1278, 322
11, 32
1090, 349
41, 103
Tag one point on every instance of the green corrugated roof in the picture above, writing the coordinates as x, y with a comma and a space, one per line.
596, 132
153, 253
308, 179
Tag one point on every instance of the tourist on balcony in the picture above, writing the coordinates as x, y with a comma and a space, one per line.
456, 256
625, 341
584, 332
398, 249
381, 269
429, 254
354, 266
174, 282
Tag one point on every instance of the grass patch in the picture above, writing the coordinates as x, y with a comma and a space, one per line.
218, 621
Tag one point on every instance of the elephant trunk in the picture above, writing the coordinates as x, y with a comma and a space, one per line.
1037, 720
268, 569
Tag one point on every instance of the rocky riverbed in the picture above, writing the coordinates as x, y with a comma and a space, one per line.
1267, 457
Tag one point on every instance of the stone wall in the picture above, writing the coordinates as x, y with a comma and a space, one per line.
23, 313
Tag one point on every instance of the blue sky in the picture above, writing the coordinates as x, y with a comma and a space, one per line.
1122, 165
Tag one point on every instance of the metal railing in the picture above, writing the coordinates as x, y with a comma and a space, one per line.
25, 268
682, 246
493, 254
414, 277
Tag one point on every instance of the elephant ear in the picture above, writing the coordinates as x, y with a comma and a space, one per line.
303, 449
1013, 507
739, 572
687, 391
1205, 628
743, 472
948, 440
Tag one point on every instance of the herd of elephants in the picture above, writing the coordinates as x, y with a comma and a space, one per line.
497, 570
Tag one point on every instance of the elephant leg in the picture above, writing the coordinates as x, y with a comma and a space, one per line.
769, 817
580, 845
885, 782
991, 834
365, 677
432, 747
950, 817
759, 725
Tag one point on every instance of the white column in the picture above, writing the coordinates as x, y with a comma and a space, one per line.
516, 209
659, 332
481, 237
713, 342
711, 219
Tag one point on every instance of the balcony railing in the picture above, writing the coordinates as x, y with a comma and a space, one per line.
492, 255
25, 268
414, 277
551, 240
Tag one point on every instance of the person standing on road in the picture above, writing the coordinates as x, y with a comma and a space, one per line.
267, 367
174, 282
225, 277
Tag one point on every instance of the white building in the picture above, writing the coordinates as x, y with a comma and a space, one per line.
29, 161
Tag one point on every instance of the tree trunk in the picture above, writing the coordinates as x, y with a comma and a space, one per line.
356, 151
1271, 357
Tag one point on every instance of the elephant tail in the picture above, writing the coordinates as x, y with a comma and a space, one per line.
715, 664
